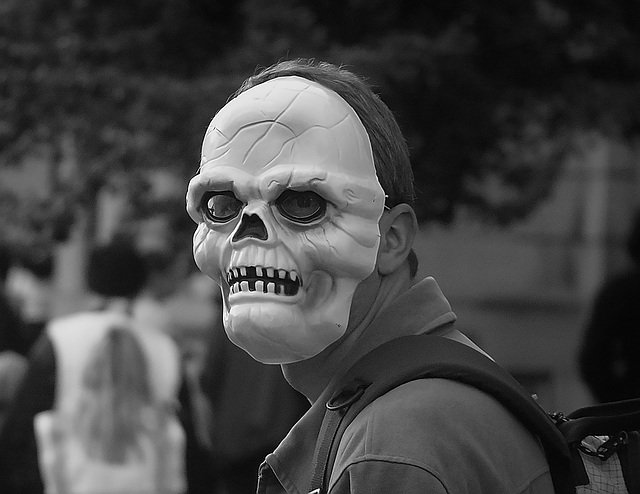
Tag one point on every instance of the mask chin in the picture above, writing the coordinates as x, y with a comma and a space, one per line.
281, 333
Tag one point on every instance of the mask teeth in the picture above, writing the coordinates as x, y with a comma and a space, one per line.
263, 279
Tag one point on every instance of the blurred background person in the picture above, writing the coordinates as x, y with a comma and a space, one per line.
252, 407
10, 319
177, 297
12, 369
29, 289
608, 359
119, 436
12, 362
77, 387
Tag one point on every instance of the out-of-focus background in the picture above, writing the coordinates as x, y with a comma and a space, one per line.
523, 119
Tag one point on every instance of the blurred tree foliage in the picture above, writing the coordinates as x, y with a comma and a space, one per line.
488, 92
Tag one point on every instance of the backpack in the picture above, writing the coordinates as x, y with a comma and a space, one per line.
592, 450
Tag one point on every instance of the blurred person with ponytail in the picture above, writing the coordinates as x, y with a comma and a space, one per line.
96, 411
120, 437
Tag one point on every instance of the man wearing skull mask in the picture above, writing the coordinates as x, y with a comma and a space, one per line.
304, 208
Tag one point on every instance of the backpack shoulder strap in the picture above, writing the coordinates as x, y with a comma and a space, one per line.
425, 356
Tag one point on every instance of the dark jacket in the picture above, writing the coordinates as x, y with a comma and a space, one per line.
430, 435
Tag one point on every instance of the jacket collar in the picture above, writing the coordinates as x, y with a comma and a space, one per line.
291, 462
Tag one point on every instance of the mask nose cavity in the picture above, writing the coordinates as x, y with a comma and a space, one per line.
251, 226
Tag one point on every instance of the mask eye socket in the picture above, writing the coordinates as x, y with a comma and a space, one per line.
302, 206
220, 206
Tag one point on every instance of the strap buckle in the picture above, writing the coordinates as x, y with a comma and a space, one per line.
346, 397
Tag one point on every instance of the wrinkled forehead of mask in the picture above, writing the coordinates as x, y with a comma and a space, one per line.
289, 120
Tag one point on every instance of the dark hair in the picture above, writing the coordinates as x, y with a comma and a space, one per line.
116, 270
390, 150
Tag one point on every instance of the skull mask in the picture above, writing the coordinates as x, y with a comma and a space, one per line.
288, 203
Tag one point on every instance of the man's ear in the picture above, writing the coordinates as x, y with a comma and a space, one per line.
398, 228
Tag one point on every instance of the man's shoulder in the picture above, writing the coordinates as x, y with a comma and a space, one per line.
435, 407
436, 399
436, 423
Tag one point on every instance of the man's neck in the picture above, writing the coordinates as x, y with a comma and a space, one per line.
310, 377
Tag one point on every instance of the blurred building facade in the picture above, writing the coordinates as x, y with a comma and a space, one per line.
524, 292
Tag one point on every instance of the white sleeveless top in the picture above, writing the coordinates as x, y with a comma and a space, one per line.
74, 339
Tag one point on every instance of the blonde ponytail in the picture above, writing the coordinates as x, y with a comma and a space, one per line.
117, 378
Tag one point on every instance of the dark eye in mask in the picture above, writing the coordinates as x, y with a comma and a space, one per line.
301, 206
220, 206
